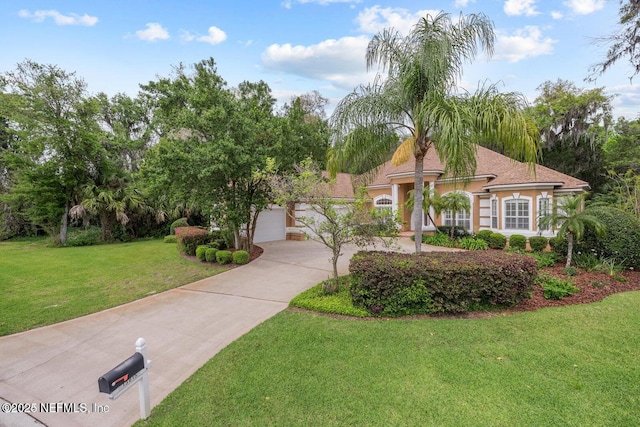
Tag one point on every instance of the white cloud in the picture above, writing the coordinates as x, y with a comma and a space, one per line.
556, 14
524, 43
215, 36
153, 32
625, 101
520, 7
375, 19
341, 62
584, 7
288, 3
463, 3
58, 18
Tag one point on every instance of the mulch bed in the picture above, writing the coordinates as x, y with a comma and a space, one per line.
594, 286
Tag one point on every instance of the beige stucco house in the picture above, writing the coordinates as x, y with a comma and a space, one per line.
506, 196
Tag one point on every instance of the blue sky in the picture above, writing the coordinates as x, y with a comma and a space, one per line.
298, 46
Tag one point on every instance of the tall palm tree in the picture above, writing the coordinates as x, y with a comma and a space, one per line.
417, 101
568, 214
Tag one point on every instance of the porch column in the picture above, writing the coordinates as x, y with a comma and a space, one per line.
395, 188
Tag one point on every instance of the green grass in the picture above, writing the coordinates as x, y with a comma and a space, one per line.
41, 285
569, 366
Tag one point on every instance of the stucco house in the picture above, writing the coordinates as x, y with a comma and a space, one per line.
506, 196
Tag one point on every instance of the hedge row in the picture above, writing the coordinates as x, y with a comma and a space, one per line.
391, 284
189, 238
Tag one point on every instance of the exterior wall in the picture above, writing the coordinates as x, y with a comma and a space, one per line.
482, 214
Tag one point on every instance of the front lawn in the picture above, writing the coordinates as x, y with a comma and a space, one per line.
575, 365
41, 285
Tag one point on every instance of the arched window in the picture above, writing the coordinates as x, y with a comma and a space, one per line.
462, 218
383, 205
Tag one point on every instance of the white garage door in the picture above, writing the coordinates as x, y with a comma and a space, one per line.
271, 225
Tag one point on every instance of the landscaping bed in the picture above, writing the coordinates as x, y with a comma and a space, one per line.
594, 286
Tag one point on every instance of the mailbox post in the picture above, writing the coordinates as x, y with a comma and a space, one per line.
133, 370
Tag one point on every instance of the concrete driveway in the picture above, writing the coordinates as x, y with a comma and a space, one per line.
183, 327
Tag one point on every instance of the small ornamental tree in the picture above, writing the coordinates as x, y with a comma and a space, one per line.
572, 221
336, 222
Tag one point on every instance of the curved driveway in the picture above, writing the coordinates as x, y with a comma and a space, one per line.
183, 327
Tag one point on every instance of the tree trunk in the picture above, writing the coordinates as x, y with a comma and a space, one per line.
64, 224
331, 286
418, 187
569, 249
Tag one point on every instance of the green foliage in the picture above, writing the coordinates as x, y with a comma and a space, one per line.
621, 242
189, 238
438, 239
518, 241
554, 288
201, 251
240, 257
171, 238
84, 236
224, 257
317, 299
586, 260
610, 267
453, 282
545, 259
497, 241
472, 244
210, 254
484, 235
538, 243
180, 222
570, 271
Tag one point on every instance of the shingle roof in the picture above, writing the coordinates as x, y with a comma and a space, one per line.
343, 187
500, 170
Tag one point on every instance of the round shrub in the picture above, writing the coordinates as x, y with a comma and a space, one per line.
484, 235
497, 241
240, 257
621, 240
224, 257
538, 243
210, 254
518, 241
171, 238
201, 251
180, 222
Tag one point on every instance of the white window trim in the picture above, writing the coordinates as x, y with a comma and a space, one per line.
494, 199
517, 196
544, 195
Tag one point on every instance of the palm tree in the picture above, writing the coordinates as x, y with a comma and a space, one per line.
568, 214
455, 202
430, 199
417, 101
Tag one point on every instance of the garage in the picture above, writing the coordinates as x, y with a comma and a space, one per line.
271, 225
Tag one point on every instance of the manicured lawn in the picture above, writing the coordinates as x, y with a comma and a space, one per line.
42, 285
574, 366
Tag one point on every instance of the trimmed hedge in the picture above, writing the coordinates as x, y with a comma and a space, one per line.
171, 238
240, 257
538, 243
180, 222
518, 241
224, 257
210, 254
391, 284
201, 251
484, 235
497, 241
189, 238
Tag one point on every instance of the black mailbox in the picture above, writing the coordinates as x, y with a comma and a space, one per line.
122, 373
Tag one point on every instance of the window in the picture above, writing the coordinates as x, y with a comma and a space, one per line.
383, 206
463, 219
494, 213
544, 209
517, 214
